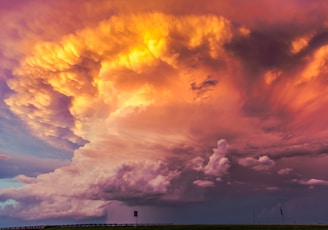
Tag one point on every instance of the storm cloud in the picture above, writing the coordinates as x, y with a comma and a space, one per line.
162, 104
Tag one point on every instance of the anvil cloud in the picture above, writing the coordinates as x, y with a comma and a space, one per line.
162, 107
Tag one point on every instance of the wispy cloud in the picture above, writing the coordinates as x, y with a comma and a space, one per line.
312, 182
3, 156
204, 183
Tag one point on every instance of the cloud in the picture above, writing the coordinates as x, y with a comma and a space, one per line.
204, 183
56, 197
103, 89
312, 182
4, 156
62, 192
137, 180
218, 164
202, 88
57, 85
197, 163
285, 171
300, 43
110, 91
261, 164
141, 97
25, 179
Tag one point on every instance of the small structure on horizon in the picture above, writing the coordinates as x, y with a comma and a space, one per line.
135, 214
282, 216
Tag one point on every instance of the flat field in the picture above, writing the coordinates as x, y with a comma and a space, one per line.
196, 227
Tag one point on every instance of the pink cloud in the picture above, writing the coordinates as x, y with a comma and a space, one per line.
312, 182
67, 188
4, 156
197, 163
141, 108
218, 164
285, 171
260, 164
26, 179
138, 180
204, 183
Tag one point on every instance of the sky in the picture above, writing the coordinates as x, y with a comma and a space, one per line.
190, 112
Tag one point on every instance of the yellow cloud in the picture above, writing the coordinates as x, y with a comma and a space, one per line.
299, 43
124, 62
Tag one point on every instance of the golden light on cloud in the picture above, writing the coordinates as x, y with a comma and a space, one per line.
108, 65
300, 43
140, 94
271, 76
316, 66
244, 31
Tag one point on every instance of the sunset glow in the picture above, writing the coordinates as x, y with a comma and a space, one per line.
188, 111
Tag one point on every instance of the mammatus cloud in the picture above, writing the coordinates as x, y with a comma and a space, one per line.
141, 98
95, 86
101, 73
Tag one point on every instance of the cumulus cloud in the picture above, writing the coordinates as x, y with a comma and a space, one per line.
101, 86
68, 86
137, 180
57, 194
140, 98
261, 164
218, 164
197, 163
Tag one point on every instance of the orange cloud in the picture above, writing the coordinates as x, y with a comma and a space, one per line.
141, 97
110, 69
127, 86
300, 43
